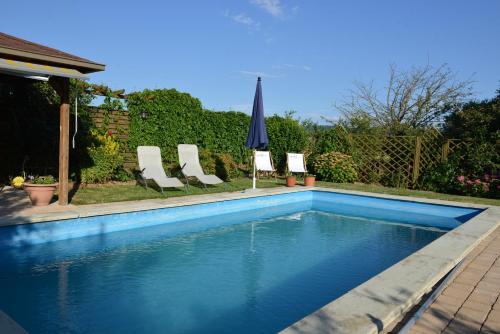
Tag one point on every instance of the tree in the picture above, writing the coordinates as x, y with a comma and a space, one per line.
477, 123
412, 100
475, 120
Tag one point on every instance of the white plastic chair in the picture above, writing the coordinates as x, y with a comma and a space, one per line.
296, 163
190, 165
151, 168
264, 163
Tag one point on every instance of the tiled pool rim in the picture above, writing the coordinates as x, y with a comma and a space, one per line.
368, 308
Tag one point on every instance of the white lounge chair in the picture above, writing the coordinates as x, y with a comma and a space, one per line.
264, 163
190, 165
296, 163
151, 168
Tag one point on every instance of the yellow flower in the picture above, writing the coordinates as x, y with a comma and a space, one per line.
17, 182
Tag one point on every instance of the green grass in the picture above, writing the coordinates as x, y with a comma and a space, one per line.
130, 192
372, 188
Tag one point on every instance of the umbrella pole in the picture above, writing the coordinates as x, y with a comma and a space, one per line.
254, 181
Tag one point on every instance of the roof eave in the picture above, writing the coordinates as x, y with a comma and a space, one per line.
84, 67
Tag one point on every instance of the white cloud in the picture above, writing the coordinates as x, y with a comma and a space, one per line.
273, 7
259, 74
293, 66
244, 19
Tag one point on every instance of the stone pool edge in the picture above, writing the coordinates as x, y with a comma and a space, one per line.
92, 210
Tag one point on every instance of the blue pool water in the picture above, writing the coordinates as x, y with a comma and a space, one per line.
256, 270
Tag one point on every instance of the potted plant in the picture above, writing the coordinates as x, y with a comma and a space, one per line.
309, 180
40, 189
291, 180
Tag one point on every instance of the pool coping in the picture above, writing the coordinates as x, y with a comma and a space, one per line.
91, 210
368, 308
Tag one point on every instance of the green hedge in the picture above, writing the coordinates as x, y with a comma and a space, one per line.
285, 135
175, 118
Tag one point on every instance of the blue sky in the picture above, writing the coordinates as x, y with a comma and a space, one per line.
309, 53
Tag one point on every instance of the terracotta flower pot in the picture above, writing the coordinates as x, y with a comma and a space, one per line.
291, 181
309, 181
40, 194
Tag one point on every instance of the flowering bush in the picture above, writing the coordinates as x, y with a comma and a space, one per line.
488, 185
449, 177
48, 179
104, 153
335, 167
17, 182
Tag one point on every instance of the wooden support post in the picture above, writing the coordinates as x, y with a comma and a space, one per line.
445, 150
416, 159
61, 86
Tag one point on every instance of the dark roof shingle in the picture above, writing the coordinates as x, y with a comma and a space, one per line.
18, 44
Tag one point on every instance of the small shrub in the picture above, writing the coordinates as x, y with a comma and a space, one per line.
207, 161
396, 179
122, 175
220, 164
335, 167
225, 167
104, 153
443, 177
371, 175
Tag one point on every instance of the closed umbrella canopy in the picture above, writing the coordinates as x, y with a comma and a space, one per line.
257, 134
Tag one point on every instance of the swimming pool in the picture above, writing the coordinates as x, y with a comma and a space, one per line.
251, 265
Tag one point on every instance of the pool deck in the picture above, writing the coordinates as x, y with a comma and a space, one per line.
380, 302
470, 302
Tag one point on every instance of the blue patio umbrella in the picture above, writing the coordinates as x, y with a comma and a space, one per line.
257, 134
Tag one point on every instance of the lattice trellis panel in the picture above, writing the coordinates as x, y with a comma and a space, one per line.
431, 150
380, 157
396, 160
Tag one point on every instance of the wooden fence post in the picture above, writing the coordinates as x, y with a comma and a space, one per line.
416, 158
445, 150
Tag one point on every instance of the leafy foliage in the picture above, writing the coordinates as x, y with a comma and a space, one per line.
175, 118
286, 134
477, 121
335, 167
48, 179
225, 167
104, 152
178, 118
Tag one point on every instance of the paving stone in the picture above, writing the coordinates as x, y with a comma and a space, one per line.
480, 307
471, 317
458, 290
478, 296
460, 327
469, 277
493, 274
483, 271
430, 323
491, 326
419, 329
488, 287
446, 299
